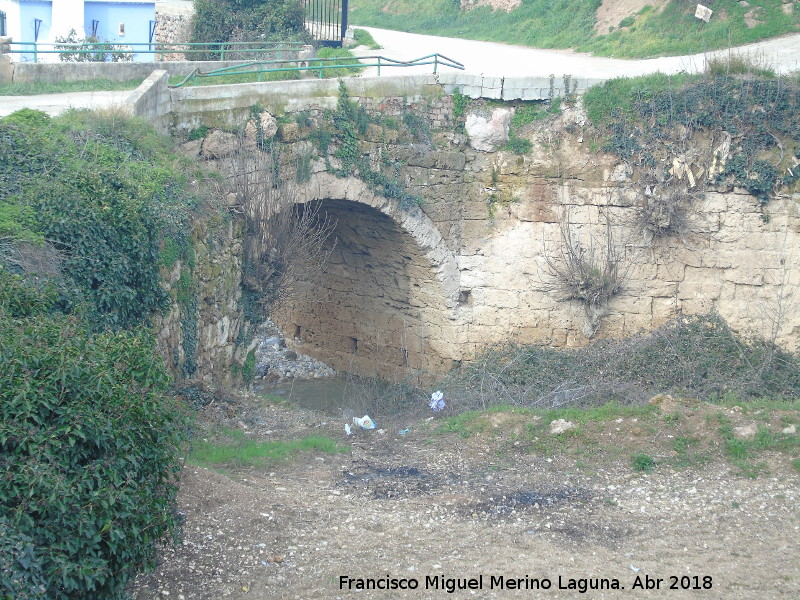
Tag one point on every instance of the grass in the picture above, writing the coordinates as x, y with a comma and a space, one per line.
237, 78
743, 453
695, 436
570, 24
364, 38
616, 98
643, 463
336, 56
234, 449
64, 87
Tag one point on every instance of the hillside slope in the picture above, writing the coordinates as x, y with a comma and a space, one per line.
619, 28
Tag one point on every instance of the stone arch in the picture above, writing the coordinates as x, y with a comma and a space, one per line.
385, 304
414, 222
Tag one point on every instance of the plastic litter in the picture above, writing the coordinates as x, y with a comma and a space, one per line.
364, 422
347, 429
437, 401
404, 431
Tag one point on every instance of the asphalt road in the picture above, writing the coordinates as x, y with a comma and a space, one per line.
479, 58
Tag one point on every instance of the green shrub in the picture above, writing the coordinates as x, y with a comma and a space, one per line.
103, 190
640, 116
518, 145
88, 446
643, 462
246, 20
249, 367
460, 103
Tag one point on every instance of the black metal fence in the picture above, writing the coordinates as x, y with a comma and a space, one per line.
326, 20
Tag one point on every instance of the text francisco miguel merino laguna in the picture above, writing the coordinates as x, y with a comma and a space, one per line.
480, 582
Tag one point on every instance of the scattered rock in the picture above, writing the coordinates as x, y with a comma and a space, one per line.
219, 144
621, 173
275, 363
488, 132
192, 148
665, 402
790, 430
266, 123
560, 426
289, 132
746, 432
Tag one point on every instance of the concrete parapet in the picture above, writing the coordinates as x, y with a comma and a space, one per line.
151, 100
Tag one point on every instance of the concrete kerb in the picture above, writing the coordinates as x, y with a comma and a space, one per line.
152, 100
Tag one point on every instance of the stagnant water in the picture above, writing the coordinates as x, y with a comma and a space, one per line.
347, 396
328, 394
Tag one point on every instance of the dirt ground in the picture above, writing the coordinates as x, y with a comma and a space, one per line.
611, 12
511, 502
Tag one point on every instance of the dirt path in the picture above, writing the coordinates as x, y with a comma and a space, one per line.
428, 507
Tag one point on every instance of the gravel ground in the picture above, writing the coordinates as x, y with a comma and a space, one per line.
441, 510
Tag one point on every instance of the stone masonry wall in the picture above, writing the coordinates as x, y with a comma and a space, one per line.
173, 26
420, 289
202, 335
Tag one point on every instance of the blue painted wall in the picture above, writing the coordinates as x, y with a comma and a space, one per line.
136, 17
28, 11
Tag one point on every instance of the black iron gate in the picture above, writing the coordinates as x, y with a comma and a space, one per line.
326, 20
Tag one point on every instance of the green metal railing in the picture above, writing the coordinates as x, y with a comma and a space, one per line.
319, 65
217, 50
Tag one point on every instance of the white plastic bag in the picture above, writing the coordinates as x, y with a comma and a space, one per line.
364, 422
437, 401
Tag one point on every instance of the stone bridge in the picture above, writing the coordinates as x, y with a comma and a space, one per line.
421, 288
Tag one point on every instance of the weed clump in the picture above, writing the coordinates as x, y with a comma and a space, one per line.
698, 356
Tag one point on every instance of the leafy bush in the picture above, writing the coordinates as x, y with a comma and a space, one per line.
88, 446
218, 21
90, 49
102, 190
642, 115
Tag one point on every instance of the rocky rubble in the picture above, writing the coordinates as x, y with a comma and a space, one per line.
276, 362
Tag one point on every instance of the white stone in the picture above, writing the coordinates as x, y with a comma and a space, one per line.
488, 133
746, 432
560, 426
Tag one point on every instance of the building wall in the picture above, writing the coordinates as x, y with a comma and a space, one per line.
134, 17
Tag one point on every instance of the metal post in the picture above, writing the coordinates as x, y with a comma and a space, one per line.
37, 23
435, 62
344, 19
379, 66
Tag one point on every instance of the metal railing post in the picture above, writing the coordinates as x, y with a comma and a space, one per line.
379, 66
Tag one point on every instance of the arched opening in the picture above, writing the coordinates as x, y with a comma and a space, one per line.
378, 307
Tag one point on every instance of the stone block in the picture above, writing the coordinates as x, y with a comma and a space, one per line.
513, 93
472, 91
492, 93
